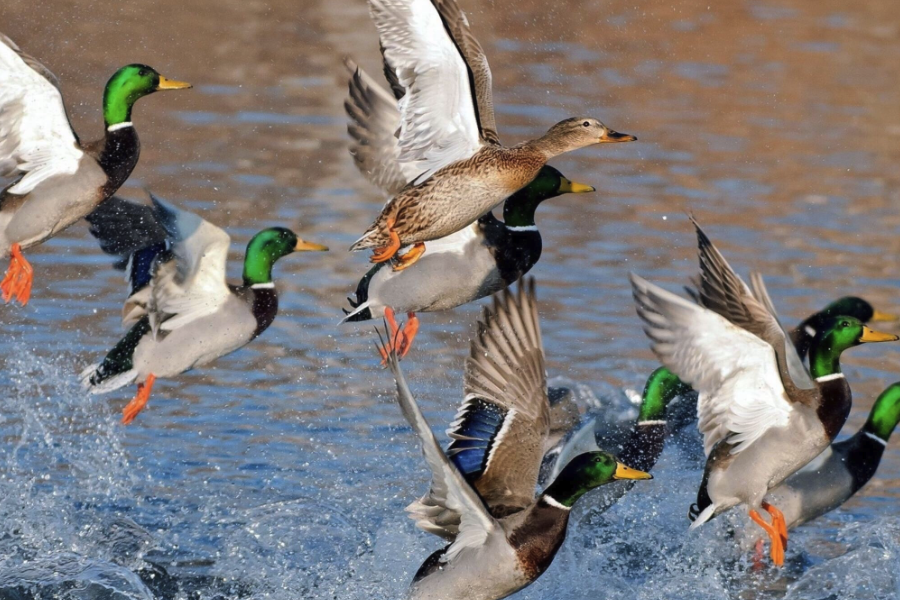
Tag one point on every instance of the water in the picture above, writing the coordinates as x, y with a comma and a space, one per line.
281, 472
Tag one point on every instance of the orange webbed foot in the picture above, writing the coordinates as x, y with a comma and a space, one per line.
399, 338
19, 277
777, 549
385, 253
410, 258
139, 401
778, 522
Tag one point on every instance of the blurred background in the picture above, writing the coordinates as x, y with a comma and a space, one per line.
282, 470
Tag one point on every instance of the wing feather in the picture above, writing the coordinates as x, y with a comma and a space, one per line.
193, 284
438, 123
374, 122
449, 489
741, 394
36, 138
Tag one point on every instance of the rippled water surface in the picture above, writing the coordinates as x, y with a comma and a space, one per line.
282, 471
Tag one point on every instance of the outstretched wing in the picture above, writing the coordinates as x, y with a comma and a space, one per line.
36, 139
193, 284
438, 124
449, 489
735, 372
375, 121
131, 232
505, 376
479, 70
725, 293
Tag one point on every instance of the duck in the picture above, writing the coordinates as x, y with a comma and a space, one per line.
57, 179
181, 312
842, 469
851, 306
482, 500
685, 412
761, 414
468, 265
640, 446
447, 132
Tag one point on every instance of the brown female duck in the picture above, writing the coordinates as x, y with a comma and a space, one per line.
447, 132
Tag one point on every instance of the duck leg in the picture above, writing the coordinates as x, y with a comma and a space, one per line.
410, 329
139, 401
384, 253
398, 338
19, 277
410, 258
778, 522
777, 551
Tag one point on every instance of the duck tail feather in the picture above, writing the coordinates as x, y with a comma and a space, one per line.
704, 516
94, 385
361, 313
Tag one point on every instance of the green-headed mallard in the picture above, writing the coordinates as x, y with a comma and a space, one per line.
447, 131
482, 497
641, 445
849, 306
181, 312
842, 469
762, 416
59, 179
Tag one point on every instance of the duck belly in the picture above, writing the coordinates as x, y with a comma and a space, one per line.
486, 573
450, 273
780, 452
196, 344
51, 206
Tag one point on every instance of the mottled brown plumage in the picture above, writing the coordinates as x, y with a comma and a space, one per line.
459, 193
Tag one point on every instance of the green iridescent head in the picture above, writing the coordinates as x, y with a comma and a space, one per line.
128, 85
837, 335
886, 412
518, 211
587, 471
662, 387
268, 246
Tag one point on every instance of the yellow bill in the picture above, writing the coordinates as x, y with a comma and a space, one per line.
303, 246
626, 472
870, 335
171, 84
883, 316
572, 187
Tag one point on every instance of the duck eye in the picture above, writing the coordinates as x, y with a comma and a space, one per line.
586, 124
845, 324
142, 72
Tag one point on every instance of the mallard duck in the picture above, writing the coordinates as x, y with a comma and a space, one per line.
447, 132
181, 312
641, 445
850, 306
59, 179
762, 416
482, 496
842, 469
470, 264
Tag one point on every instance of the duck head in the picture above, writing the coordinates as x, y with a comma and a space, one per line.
518, 210
576, 133
662, 387
268, 246
128, 85
587, 471
837, 335
885, 413
853, 306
